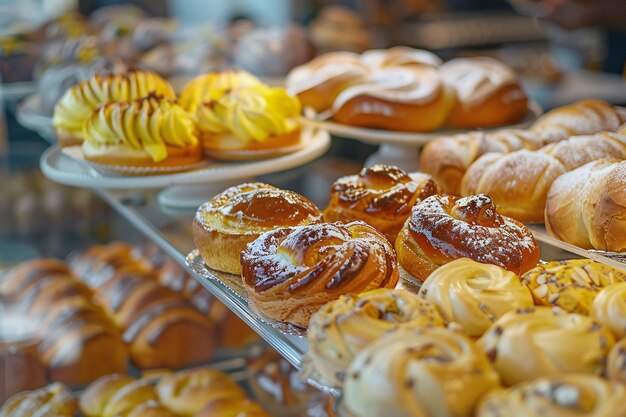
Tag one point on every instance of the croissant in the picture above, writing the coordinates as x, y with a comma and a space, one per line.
290, 273
586, 206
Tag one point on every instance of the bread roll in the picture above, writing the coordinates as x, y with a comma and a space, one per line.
54, 400
127, 397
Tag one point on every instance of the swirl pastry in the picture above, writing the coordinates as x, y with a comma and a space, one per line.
212, 86
530, 343
616, 363
442, 229
474, 294
224, 225
382, 196
560, 395
318, 83
419, 373
609, 308
54, 400
343, 327
291, 273
488, 93
399, 56
259, 120
146, 132
572, 284
413, 99
79, 101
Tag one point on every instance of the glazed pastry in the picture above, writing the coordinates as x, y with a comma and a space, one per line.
399, 56
224, 225
381, 196
291, 273
338, 28
78, 103
412, 99
187, 392
20, 277
559, 395
318, 83
423, 372
488, 93
442, 229
586, 206
150, 132
250, 123
616, 363
344, 327
531, 343
609, 307
572, 284
212, 86
54, 400
474, 294
232, 407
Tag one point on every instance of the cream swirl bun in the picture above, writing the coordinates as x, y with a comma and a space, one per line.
609, 309
565, 395
399, 56
531, 343
80, 100
475, 294
342, 328
212, 86
146, 132
418, 373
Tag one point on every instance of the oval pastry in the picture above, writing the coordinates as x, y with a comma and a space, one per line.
444, 228
290, 273
419, 373
531, 343
382, 196
343, 327
474, 294
224, 225
609, 308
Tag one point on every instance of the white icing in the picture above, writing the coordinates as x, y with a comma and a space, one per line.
399, 55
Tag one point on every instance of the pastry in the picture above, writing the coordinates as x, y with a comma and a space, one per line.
48, 291
20, 366
54, 400
96, 397
344, 327
408, 98
212, 86
616, 363
150, 132
151, 409
232, 407
338, 28
79, 102
585, 207
559, 395
423, 372
570, 285
535, 342
187, 392
444, 228
290, 273
381, 196
127, 397
19, 278
474, 294
238, 215
250, 123
488, 93
609, 306
399, 56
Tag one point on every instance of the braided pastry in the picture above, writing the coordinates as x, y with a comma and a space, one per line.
54, 400
290, 273
609, 308
381, 196
418, 373
474, 294
212, 86
561, 395
444, 228
531, 343
343, 327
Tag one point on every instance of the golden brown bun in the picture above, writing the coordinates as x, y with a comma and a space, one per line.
230, 407
224, 225
20, 367
586, 206
442, 229
54, 400
381, 196
128, 397
177, 156
49, 291
497, 110
88, 263
98, 394
25, 274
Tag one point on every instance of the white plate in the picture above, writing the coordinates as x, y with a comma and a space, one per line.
30, 115
65, 170
390, 137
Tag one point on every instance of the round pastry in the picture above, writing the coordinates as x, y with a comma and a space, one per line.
78, 102
15, 282
474, 294
212, 86
530, 343
187, 392
572, 284
609, 308
321, 80
488, 93
344, 327
409, 98
54, 400
423, 372
232, 407
250, 123
338, 28
150, 132
560, 395
442, 229
224, 225
290, 273
381, 196
98, 394
616, 363
399, 56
